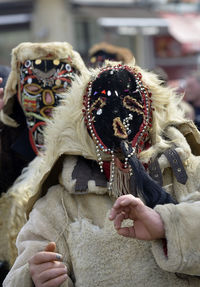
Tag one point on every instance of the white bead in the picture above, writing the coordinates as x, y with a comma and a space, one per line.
99, 112
29, 80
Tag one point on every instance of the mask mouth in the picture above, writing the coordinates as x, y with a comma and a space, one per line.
47, 111
119, 129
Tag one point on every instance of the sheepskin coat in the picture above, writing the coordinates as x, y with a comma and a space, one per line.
75, 203
93, 252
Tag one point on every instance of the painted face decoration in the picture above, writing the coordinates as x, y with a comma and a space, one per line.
118, 107
42, 83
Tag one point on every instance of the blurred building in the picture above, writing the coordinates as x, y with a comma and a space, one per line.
159, 33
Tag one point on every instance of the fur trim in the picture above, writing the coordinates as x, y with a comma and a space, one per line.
123, 54
30, 51
182, 238
4, 118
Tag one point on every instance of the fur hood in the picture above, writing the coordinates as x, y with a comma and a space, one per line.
30, 51
123, 54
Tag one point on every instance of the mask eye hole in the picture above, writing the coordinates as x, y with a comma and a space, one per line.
59, 90
98, 104
33, 88
27, 63
132, 105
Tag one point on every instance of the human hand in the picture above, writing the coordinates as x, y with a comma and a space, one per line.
1, 95
46, 268
147, 224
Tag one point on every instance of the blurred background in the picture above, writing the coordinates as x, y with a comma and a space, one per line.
161, 33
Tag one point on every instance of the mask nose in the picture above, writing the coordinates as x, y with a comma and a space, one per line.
115, 110
48, 97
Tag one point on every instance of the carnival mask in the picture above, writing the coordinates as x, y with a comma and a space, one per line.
42, 83
118, 115
118, 107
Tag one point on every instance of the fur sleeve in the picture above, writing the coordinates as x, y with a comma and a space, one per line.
47, 223
182, 227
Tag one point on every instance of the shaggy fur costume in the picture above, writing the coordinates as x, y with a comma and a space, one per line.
14, 128
78, 221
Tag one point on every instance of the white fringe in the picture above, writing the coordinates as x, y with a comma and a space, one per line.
121, 183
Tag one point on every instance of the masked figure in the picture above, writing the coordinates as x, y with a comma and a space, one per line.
40, 78
40, 74
118, 132
118, 113
103, 51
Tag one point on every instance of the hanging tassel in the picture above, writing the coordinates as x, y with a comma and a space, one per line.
120, 184
143, 185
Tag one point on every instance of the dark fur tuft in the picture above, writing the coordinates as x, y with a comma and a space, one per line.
143, 185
